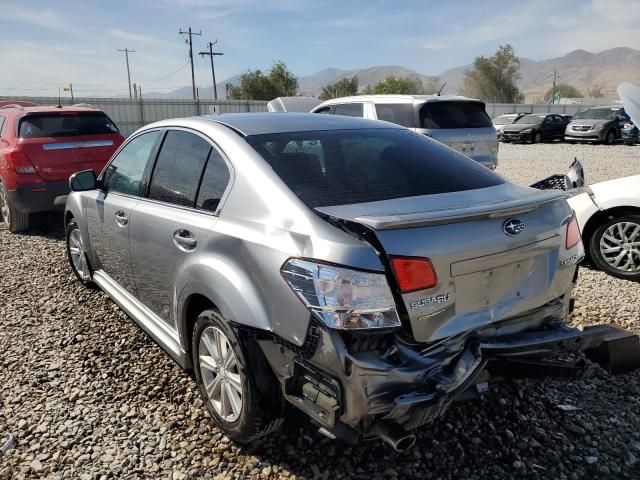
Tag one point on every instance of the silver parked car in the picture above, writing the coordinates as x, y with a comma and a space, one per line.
597, 124
360, 271
458, 122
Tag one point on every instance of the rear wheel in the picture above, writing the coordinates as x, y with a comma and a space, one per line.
13, 219
615, 247
76, 253
537, 137
235, 382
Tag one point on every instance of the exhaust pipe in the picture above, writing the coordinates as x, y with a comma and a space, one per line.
393, 435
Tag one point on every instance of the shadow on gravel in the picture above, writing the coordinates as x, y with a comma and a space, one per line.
47, 225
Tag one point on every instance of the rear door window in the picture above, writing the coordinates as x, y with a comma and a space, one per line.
125, 172
458, 114
178, 170
214, 182
324, 110
349, 109
398, 113
66, 124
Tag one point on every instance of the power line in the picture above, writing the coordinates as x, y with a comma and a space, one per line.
211, 54
126, 54
171, 74
190, 34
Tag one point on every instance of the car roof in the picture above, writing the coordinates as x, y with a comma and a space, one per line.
398, 99
47, 109
281, 122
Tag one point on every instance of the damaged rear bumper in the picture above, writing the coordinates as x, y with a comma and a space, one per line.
396, 386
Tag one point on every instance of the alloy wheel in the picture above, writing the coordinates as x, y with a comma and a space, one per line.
620, 246
78, 257
220, 374
4, 206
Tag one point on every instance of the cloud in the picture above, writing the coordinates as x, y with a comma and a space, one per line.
130, 36
39, 18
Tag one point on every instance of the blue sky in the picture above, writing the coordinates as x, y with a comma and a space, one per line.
49, 43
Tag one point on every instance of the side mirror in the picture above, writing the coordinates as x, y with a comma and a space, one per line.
83, 181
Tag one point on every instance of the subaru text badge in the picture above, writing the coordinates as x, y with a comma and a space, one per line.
513, 226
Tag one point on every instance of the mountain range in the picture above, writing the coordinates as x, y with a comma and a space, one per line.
579, 68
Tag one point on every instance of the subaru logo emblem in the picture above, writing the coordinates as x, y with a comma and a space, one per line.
513, 226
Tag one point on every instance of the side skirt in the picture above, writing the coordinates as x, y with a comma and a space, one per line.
145, 318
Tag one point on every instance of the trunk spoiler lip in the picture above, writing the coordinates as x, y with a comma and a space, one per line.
501, 208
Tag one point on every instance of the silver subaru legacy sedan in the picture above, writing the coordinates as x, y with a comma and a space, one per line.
362, 272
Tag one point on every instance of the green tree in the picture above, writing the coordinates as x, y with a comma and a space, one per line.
256, 85
396, 86
566, 91
344, 87
495, 78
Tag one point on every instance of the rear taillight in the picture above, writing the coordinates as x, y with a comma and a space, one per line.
413, 273
573, 236
19, 162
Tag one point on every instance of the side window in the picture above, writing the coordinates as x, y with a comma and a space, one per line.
125, 172
1, 125
324, 110
214, 182
349, 109
177, 172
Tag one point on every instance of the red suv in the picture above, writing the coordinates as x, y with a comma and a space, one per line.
40, 147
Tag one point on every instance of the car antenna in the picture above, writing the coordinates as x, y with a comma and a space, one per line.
59, 100
441, 88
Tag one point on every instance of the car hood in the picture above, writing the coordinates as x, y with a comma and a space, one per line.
518, 127
630, 96
587, 122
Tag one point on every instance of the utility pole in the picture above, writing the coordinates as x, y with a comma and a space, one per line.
126, 55
555, 77
190, 34
211, 53
71, 90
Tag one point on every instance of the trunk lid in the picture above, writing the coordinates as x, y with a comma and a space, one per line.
484, 274
60, 144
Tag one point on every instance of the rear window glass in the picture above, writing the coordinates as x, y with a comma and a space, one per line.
442, 114
349, 109
342, 167
401, 114
66, 124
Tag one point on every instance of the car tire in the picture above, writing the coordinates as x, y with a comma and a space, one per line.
239, 389
15, 220
607, 243
77, 255
536, 137
610, 138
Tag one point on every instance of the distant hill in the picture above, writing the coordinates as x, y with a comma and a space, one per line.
579, 68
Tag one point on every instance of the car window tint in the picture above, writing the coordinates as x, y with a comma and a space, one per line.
458, 114
323, 110
349, 109
177, 172
368, 165
214, 182
125, 172
66, 124
401, 114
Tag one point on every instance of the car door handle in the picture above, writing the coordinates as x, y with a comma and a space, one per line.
121, 218
184, 240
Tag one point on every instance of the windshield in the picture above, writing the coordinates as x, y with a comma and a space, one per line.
342, 167
66, 124
457, 114
531, 119
597, 114
504, 120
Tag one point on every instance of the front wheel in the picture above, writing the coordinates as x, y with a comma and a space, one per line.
615, 247
610, 138
77, 255
15, 220
235, 382
537, 137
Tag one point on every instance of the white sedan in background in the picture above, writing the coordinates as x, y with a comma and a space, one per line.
609, 218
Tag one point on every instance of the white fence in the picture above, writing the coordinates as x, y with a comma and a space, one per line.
130, 115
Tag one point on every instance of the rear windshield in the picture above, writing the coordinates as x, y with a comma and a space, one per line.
341, 167
66, 124
442, 114
504, 120
398, 113
597, 114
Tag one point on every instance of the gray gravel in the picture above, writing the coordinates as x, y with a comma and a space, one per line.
88, 395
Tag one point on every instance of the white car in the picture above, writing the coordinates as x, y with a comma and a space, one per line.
609, 218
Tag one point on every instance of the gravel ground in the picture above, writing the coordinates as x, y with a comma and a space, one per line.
88, 395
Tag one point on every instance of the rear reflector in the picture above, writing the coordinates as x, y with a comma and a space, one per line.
413, 273
573, 233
